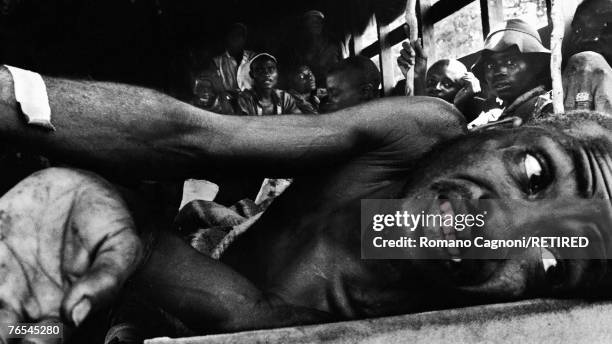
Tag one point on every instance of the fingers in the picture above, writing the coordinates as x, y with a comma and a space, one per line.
407, 55
417, 46
102, 224
603, 103
116, 259
93, 291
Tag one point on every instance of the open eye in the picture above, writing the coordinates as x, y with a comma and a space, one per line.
537, 177
447, 83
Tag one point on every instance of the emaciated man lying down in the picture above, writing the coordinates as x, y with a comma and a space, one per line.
301, 263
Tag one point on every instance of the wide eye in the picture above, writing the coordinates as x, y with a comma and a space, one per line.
537, 177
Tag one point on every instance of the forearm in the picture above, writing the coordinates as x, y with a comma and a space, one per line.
140, 132
133, 131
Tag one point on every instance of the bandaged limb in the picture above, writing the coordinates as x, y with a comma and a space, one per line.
587, 83
208, 296
67, 244
132, 131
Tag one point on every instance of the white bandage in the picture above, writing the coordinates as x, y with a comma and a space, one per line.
31, 94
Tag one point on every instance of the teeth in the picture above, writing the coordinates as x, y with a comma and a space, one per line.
456, 260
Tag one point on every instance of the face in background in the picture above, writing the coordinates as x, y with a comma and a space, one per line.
592, 29
510, 73
444, 80
235, 41
530, 168
313, 25
344, 89
204, 93
264, 73
303, 80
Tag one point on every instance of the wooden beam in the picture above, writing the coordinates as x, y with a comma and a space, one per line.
386, 58
412, 32
492, 14
429, 44
445, 8
556, 58
359, 42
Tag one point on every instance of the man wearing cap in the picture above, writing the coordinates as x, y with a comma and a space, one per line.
264, 98
313, 47
515, 66
232, 65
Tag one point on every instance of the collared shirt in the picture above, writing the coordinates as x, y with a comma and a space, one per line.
308, 105
235, 77
249, 104
531, 104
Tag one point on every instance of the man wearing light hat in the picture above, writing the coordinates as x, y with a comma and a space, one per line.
515, 66
264, 98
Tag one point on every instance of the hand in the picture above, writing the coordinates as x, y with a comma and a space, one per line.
471, 86
68, 244
411, 51
588, 76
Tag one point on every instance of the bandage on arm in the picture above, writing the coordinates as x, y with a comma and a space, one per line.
133, 131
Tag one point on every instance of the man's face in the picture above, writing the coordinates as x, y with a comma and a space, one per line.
510, 73
592, 30
526, 176
443, 82
313, 25
343, 91
264, 73
235, 41
204, 93
303, 80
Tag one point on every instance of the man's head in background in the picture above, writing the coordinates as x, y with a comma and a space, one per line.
235, 39
351, 81
302, 80
264, 71
204, 93
592, 28
513, 61
444, 79
313, 22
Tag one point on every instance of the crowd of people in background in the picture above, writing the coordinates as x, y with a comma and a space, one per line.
511, 78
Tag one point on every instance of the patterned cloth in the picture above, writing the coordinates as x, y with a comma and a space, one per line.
235, 76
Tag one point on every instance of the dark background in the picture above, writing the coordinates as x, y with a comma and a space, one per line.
153, 42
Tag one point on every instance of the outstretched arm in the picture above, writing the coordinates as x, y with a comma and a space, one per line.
133, 131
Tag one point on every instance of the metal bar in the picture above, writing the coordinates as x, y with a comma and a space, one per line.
492, 14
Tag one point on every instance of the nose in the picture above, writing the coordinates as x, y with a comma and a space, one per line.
501, 70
